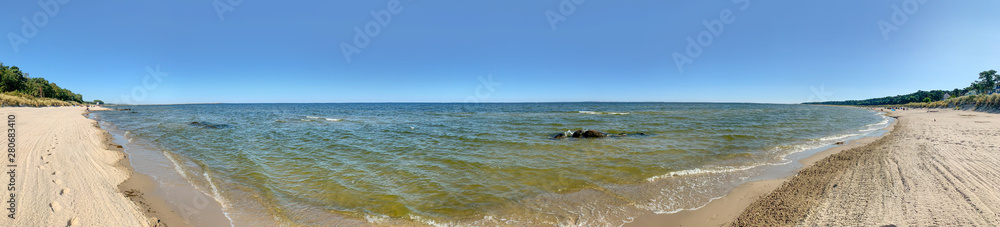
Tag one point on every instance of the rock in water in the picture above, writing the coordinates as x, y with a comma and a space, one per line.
593, 134
205, 124
618, 135
578, 134
560, 136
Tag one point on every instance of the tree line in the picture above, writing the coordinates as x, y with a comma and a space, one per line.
15, 82
987, 83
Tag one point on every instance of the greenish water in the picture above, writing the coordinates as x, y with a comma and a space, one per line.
479, 164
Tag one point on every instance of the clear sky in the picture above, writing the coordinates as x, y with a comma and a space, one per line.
442, 51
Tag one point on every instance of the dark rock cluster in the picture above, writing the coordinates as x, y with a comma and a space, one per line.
590, 134
209, 125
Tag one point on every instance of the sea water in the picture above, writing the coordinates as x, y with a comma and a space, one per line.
478, 164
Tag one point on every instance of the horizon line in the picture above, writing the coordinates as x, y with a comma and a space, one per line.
552, 102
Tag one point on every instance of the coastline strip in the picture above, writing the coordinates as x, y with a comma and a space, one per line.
724, 210
936, 169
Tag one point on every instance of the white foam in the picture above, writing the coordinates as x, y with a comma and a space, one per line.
679, 210
838, 137
869, 129
216, 196
311, 118
696, 171
429, 222
885, 121
376, 219
177, 165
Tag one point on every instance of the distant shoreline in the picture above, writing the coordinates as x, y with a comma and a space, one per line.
471, 103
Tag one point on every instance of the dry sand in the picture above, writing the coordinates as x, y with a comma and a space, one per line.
69, 174
938, 168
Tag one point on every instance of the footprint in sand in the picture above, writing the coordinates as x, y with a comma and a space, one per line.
55, 206
57, 181
56, 172
63, 191
41, 167
73, 222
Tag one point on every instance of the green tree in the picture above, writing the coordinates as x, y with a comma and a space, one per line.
987, 81
12, 79
928, 100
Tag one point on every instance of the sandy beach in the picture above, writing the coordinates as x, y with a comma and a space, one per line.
69, 174
723, 211
935, 168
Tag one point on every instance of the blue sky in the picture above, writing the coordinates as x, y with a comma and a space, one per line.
442, 51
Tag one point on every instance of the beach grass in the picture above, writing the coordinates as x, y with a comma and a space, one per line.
971, 101
19, 99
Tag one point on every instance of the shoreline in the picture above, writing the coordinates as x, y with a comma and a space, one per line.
937, 168
135, 187
174, 203
72, 172
724, 210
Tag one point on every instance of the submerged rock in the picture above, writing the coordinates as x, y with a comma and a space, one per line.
588, 134
594, 134
205, 124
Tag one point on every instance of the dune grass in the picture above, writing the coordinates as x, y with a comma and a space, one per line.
18, 99
972, 101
